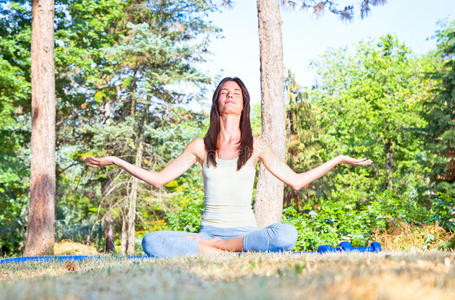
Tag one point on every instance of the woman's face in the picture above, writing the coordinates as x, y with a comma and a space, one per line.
230, 99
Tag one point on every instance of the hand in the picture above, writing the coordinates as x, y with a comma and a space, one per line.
100, 162
352, 161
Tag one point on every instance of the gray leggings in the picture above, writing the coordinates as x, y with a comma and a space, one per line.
273, 238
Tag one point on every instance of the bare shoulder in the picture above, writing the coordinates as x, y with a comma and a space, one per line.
259, 144
197, 147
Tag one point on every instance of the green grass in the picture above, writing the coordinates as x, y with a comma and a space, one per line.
416, 275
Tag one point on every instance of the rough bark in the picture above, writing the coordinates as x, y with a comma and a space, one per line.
269, 194
40, 231
108, 234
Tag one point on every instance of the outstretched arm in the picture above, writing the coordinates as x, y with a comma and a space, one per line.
176, 168
283, 172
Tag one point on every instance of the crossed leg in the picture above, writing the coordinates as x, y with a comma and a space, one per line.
218, 246
273, 238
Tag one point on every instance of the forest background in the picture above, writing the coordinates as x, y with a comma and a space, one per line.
117, 68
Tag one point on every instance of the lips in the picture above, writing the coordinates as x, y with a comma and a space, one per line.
228, 101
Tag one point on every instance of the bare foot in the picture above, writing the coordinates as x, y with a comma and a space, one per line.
212, 242
207, 247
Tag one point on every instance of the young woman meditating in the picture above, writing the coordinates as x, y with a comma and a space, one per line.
228, 155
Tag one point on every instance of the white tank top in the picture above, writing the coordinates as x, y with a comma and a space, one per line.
228, 194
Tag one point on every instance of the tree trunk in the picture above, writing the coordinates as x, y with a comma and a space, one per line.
108, 234
128, 228
389, 154
269, 194
40, 231
124, 242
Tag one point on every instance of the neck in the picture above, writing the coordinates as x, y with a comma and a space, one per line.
229, 128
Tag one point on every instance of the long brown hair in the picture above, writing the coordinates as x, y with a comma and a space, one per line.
245, 146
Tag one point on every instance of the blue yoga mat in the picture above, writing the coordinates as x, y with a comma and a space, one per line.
66, 258
342, 247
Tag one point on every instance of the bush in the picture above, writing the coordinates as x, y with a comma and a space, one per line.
346, 217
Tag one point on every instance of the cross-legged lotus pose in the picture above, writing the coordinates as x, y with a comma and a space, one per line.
228, 155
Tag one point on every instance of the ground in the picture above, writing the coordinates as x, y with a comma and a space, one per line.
386, 275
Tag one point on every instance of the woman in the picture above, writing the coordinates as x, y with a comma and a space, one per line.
228, 155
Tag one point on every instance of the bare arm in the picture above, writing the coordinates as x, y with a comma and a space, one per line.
174, 169
283, 172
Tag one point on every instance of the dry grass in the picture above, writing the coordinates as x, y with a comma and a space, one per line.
67, 247
393, 275
402, 236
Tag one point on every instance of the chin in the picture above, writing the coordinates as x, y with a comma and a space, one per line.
231, 112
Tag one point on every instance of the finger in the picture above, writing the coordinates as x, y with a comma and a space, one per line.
364, 163
90, 160
95, 161
93, 164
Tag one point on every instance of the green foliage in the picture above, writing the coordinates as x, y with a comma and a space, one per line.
371, 104
14, 127
117, 66
188, 203
340, 218
439, 113
14, 175
129, 72
366, 104
303, 137
182, 206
